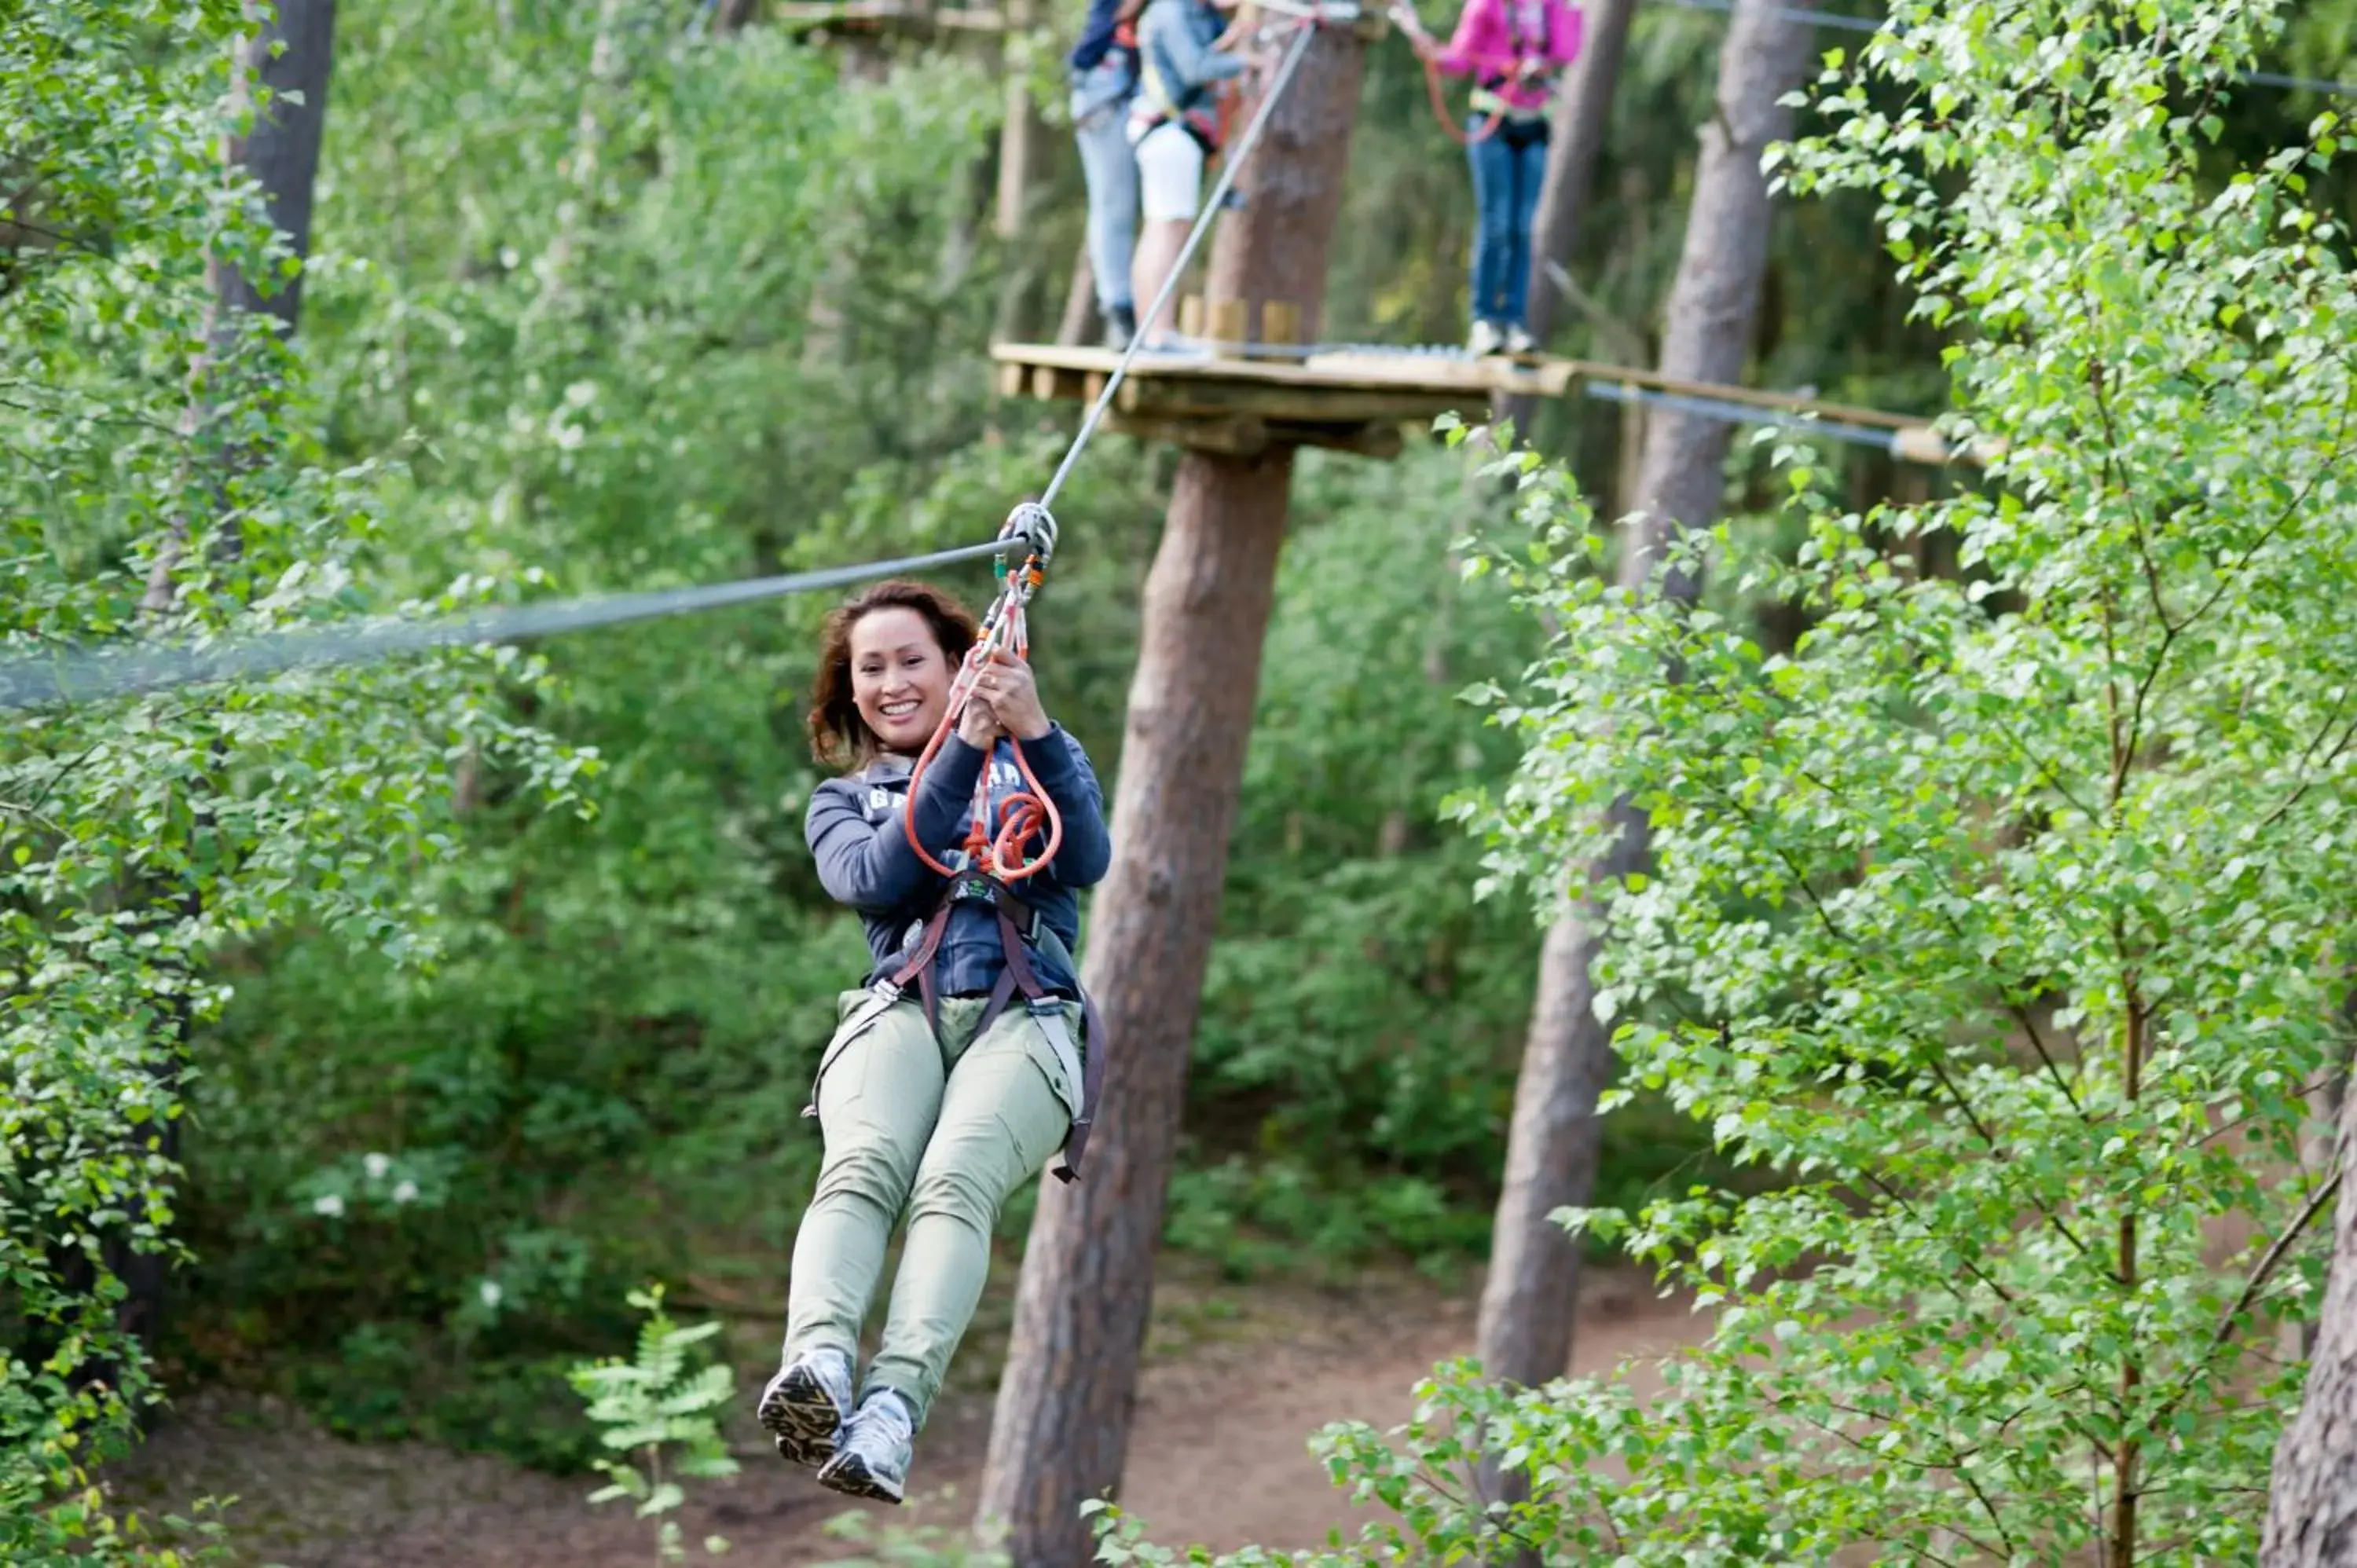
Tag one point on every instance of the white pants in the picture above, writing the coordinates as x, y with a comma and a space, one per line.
1170, 174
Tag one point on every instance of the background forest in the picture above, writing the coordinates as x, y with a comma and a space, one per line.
503, 978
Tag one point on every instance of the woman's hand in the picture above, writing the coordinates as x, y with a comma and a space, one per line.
1006, 684
978, 726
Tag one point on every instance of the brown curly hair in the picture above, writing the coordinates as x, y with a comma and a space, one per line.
839, 736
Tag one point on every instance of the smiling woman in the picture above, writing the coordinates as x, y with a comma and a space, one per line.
940, 1107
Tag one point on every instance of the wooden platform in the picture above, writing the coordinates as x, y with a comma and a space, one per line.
880, 17
1358, 400
1351, 401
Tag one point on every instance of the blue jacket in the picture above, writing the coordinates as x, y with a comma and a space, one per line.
865, 861
1179, 65
1096, 35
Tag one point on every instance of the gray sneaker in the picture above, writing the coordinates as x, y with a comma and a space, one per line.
871, 1459
806, 1403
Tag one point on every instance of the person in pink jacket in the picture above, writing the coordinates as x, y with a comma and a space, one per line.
1515, 51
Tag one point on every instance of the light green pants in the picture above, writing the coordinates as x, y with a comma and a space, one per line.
942, 1129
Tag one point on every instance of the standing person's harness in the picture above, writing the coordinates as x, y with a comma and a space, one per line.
1486, 97
1018, 924
1157, 106
984, 868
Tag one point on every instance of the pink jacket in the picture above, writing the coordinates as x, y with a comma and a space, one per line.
1493, 37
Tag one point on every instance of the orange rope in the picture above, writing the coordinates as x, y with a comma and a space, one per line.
1448, 120
1021, 814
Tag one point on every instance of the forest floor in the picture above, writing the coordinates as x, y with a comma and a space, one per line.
1237, 1377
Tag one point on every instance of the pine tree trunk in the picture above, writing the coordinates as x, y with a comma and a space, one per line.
2312, 1506
1574, 144
1527, 1300
1064, 1402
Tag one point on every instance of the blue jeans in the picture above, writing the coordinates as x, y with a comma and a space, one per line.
1509, 165
1110, 170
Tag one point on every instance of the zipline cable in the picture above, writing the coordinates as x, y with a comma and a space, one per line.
85, 674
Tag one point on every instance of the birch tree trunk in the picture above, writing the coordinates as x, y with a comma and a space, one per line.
1529, 1296
2313, 1504
1065, 1400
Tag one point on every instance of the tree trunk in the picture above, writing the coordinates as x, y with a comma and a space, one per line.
2313, 1508
1528, 1300
1064, 1402
1021, 141
282, 151
1575, 142
1019, 134
1080, 300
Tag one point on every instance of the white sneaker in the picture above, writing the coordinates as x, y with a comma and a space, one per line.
871, 1458
806, 1405
1484, 340
1520, 341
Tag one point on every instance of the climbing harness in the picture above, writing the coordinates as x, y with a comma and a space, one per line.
1485, 99
997, 855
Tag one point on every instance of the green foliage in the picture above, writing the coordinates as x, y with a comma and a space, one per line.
888, 1544
2001, 918
166, 480
659, 1407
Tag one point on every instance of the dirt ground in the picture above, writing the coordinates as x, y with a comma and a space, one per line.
1237, 1378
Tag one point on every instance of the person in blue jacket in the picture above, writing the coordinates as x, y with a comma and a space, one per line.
941, 1119
1174, 124
1103, 71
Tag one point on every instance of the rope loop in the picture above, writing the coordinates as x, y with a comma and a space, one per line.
999, 849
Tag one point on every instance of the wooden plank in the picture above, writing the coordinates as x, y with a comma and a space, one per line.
1228, 321
1381, 441
1197, 399
1369, 372
1012, 379
1280, 321
1631, 376
1093, 385
1547, 378
1237, 435
1191, 316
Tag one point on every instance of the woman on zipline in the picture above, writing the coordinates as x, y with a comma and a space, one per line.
1514, 50
940, 1116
